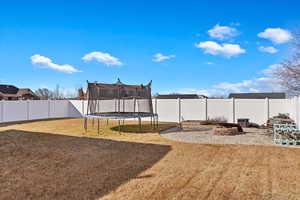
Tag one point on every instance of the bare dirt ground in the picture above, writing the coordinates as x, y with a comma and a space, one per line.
52, 160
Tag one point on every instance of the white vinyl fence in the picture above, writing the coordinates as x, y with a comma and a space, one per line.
168, 110
11, 111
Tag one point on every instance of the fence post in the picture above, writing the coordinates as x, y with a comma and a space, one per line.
233, 110
267, 104
27, 109
2, 112
48, 108
155, 108
206, 112
179, 111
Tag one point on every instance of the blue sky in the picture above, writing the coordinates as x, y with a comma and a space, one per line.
210, 47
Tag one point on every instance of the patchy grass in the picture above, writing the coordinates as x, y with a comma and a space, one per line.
74, 127
55, 160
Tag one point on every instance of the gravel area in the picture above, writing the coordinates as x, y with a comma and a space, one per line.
252, 136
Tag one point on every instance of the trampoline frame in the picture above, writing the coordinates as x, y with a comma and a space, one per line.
119, 115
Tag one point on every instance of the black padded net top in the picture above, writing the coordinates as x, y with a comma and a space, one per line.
118, 99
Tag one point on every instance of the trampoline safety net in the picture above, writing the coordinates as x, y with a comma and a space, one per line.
119, 99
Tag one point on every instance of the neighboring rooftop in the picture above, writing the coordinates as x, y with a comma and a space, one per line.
270, 95
8, 89
181, 96
11, 92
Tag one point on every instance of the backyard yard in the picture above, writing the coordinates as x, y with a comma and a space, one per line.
55, 159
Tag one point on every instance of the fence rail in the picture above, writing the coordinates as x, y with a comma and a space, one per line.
169, 110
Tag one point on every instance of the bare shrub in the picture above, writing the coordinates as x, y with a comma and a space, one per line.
214, 121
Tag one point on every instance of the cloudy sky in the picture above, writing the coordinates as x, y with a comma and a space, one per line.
204, 47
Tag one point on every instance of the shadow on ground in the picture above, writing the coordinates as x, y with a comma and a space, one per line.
47, 166
5, 124
146, 128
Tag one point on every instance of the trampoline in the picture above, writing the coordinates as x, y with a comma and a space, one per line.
119, 101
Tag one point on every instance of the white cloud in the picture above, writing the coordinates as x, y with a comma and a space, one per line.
276, 35
222, 32
269, 71
264, 83
47, 62
101, 57
234, 87
210, 63
269, 49
226, 50
159, 57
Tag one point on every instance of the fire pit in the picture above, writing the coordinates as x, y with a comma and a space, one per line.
221, 130
227, 129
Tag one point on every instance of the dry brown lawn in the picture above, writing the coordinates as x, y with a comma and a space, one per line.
53, 160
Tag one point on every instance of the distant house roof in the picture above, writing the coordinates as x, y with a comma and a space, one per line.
14, 92
24, 91
8, 89
181, 96
270, 95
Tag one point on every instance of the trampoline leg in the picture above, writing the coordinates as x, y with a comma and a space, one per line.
107, 122
85, 124
151, 123
119, 127
140, 124
98, 128
93, 122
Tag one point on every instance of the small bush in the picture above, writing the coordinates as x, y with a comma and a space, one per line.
214, 121
283, 116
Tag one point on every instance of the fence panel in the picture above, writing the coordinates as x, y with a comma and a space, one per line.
75, 108
168, 110
38, 109
15, 111
193, 109
253, 109
59, 108
277, 106
220, 108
